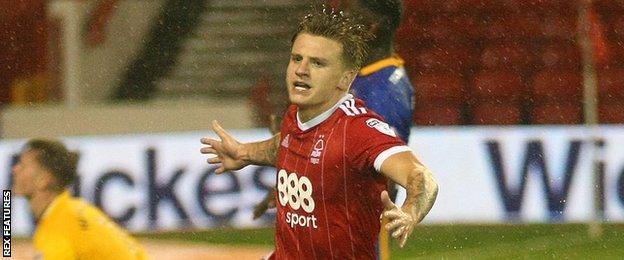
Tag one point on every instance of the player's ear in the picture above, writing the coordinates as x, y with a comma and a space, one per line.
346, 79
42, 181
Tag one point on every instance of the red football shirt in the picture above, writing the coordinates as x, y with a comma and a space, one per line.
328, 187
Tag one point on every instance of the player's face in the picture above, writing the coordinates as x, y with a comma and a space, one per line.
26, 173
316, 76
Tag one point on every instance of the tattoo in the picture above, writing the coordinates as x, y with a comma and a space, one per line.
271, 153
421, 193
265, 152
415, 186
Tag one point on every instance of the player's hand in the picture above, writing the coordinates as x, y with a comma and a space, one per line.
267, 203
400, 223
228, 150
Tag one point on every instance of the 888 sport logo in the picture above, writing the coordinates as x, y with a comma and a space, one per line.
296, 192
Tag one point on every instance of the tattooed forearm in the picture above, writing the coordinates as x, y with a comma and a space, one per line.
263, 153
422, 191
414, 186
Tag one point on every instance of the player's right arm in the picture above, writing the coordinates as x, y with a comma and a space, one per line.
233, 155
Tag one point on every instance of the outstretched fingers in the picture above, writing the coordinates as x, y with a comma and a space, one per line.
400, 223
208, 150
206, 140
216, 127
398, 232
393, 224
405, 234
219, 170
214, 160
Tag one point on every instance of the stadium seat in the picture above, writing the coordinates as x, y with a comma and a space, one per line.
467, 6
559, 27
497, 97
542, 5
511, 27
611, 113
449, 28
616, 54
506, 56
557, 113
498, 85
445, 58
611, 96
496, 113
437, 86
616, 27
434, 7
556, 85
561, 55
611, 82
438, 114
556, 96
439, 29
419, 7
609, 8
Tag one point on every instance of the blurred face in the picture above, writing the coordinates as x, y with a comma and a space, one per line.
316, 76
27, 174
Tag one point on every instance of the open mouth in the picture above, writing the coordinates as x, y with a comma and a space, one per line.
300, 86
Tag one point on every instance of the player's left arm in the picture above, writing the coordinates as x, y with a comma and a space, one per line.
406, 170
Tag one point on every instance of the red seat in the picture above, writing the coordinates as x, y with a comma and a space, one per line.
453, 6
611, 113
415, 7
556, 85
504, 113
561, 55
508, 56
616, 54
467, 5
439, 29
611, 82
557, 97
437, 114
616, 27
511, 27
609, 8
445, 58
498, 85
557, 113
436, 86
542, 6
449, 28
559, 27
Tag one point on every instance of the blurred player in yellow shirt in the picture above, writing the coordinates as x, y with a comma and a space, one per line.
67, 227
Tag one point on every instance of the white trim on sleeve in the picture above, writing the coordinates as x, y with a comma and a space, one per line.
387, 153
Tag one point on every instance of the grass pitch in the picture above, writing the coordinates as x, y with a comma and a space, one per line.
521, 241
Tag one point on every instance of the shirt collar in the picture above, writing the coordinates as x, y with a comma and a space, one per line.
63, 196
394, 60
322, 117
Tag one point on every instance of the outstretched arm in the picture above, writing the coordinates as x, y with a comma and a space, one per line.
233, 155
404, 169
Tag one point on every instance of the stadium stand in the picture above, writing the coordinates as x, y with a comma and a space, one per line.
556, 97
520, 59
445, 90
497, 97
471, 61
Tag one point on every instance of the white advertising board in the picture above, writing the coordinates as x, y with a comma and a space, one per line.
486, 175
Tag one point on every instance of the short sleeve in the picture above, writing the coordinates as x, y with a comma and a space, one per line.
370, 141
